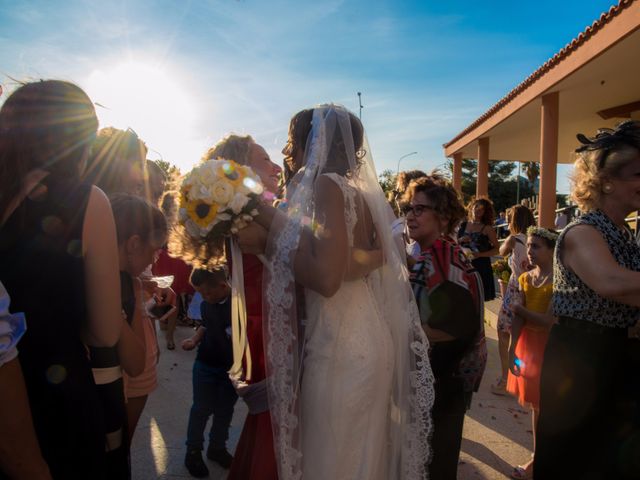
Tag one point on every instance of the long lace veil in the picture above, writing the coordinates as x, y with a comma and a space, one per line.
330, 149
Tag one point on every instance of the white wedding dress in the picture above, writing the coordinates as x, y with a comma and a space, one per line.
346, 382
350, 386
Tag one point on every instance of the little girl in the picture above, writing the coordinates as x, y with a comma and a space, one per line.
139, 226
140, 251
532, 321
520, 218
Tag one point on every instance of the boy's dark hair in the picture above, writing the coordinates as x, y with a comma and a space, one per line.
135, 216
213, 277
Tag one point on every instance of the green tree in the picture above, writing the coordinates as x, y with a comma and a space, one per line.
169, 170
387, 180
502, 184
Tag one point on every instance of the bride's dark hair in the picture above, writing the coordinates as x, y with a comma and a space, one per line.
338, 157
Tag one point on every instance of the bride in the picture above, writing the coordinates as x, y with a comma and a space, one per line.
349, 382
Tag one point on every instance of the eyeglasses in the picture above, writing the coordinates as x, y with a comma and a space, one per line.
417, 210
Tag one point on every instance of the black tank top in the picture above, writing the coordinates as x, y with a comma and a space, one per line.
42, 268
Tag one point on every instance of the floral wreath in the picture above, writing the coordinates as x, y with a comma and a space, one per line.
543, 233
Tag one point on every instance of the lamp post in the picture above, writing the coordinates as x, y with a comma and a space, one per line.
360, 104
400, 159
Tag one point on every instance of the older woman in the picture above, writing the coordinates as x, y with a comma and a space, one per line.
588, 425
449, 294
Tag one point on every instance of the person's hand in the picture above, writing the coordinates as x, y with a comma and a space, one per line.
514, 362
516, 308
188, 344
253, 239
464, 239
165, 296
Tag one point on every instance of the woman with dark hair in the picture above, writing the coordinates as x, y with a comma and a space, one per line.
589, 421
480, 238
59, 262
515, 246
334, 291
118, 163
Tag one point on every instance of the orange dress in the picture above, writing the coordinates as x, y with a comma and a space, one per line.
531, 345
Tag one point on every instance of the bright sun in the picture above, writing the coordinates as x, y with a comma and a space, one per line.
151, 102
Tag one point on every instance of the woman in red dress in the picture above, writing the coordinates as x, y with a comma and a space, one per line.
254, 458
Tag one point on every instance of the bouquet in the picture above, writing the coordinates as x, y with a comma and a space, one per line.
216, 199
501, 270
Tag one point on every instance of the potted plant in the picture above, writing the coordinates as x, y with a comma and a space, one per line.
502, 271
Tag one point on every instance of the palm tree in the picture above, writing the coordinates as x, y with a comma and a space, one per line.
531, 170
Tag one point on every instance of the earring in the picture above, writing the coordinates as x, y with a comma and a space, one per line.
607, 188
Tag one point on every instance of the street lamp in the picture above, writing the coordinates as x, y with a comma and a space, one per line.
400, 159
360, 104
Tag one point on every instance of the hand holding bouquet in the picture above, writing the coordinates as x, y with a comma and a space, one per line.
217, 199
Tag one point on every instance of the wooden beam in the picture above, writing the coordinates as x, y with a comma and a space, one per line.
621, 111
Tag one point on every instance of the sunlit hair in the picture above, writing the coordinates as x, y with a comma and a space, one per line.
405, 177
47, 125
337, 157
169, 206
200, 252
489, 215
114, 153
520, 218
135, 216
232, 147
441, 195
212, 277
547, 235
601, 158
156, 184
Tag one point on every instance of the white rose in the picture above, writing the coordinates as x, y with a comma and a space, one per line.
221, 192
238, 202
192, 229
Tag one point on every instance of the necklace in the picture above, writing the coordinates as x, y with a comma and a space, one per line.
541, 280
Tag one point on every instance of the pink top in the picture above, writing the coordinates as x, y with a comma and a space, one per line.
147, 381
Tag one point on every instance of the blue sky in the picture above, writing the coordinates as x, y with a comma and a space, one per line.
184, 73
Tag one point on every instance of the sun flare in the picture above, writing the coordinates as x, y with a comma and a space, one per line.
150, 100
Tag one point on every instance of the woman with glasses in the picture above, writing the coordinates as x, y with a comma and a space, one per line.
589, 424
449, 295
479, 236
399, 225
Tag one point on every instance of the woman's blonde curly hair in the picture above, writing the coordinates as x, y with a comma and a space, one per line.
600, 158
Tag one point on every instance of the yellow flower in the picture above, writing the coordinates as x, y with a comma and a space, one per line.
202, 213
233, 172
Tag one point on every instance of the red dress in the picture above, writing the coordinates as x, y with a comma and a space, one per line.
167, 265
254, 458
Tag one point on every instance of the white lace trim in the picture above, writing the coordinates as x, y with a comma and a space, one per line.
349, 194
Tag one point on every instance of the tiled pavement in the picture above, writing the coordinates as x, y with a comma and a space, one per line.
497, 431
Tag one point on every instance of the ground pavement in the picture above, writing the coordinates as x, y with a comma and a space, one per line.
497, 431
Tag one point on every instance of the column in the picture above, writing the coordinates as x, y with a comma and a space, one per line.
548, 159
457, 171
482, 183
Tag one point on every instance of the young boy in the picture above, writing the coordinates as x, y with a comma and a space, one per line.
213, 393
